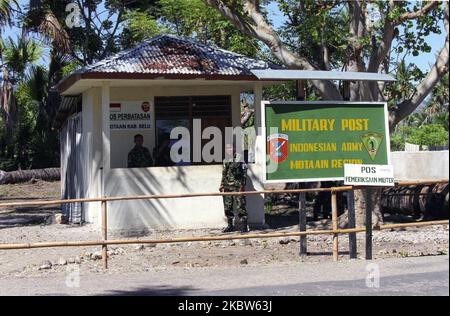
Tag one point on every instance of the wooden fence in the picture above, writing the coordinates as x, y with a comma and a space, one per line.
303, 233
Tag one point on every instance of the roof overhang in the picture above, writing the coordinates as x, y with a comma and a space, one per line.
275, 74
79, 82
65, 86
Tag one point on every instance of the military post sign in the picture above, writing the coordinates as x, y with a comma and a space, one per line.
312, 141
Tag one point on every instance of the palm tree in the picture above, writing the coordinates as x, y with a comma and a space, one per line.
6, 102
439, 101
16, 57
6, 8
42, 18
19, 54
46, 18
403, 87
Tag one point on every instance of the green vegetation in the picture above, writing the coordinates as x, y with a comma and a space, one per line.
428, 127
315, 35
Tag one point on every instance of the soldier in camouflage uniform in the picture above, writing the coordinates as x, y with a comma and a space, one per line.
234, 178
139, 156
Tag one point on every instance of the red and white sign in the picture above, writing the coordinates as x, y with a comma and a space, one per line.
130, 115
115, 107
278, 147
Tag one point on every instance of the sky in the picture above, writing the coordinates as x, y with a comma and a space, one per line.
423, 61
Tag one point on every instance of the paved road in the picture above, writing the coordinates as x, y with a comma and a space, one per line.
405, 276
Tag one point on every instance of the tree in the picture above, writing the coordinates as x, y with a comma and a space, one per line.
364, 47
139, 26
6, 7
195, 19
429, 135
19, 57
441, 119
426, 126
366, 43
16, 56
6, 100
437, 107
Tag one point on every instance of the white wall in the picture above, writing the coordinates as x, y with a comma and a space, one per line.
139, 216
422, 165
144, 215
91, 147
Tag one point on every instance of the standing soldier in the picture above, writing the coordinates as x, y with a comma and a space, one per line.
234, 178
139, 156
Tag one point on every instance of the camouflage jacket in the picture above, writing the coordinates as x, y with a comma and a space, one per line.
139, 157
234, 174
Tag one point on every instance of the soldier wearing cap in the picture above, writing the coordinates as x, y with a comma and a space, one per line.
234, 178
139, 156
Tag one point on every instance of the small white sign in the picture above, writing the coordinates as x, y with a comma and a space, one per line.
369, 175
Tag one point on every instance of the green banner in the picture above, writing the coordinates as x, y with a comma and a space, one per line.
311, 141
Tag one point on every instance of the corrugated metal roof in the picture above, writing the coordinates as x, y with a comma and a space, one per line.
67, 106
273, 74
168, 54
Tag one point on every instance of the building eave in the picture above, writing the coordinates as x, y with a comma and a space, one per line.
292, 74
71, 80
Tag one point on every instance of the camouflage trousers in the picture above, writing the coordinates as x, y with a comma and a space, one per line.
229, 200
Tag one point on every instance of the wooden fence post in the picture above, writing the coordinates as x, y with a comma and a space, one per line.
334, 217
353, 244
104, 234
369, 209
302, 223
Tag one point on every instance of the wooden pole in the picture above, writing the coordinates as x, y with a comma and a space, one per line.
352, 241
180, 196
171, 240
104, 234
207, 238
334, 217
416, 224
301, 91
302, 224
369, 210
346, 90
420, 182
168, 196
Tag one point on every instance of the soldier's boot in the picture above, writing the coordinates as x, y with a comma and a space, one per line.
244, 225
229, 227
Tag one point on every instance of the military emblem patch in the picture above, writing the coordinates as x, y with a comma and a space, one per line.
372, 142
278, 147
145, 106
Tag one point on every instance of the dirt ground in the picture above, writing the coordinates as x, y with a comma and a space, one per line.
33, 225
28, 192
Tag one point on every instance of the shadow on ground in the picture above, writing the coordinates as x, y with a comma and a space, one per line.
27, 216
163, 290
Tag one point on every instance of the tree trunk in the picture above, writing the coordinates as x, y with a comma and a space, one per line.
50, 174
426, 201
360, 207
246, 115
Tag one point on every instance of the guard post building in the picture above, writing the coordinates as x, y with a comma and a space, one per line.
160, 84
